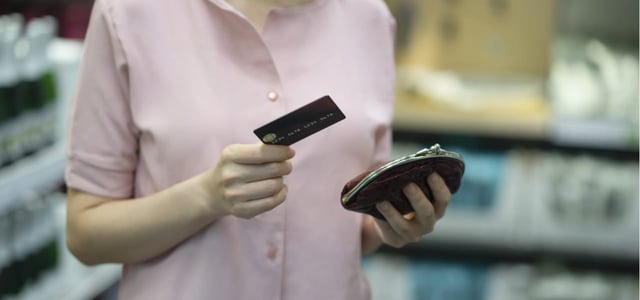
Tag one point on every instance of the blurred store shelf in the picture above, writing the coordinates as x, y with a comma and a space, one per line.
45, 167
416, 117
71, 280
537, 213
420, 118
40, 170
478, 232
513, 108
599, 134
483, 105
395, 277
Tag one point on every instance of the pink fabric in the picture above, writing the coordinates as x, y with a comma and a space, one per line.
165, 85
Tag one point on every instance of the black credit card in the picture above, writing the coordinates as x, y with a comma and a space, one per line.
301, 122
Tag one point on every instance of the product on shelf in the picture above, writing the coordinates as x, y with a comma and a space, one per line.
592, 79
586, 190
444, 280
552, 281
6, 283
27, 86
10, 33
483, 177
28, 244
37, 74
400, 277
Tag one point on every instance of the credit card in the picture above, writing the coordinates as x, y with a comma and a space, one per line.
301, 122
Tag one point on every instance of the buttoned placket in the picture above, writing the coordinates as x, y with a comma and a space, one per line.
273, 93
275, 243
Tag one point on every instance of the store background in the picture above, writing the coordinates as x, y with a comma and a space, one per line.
540, 96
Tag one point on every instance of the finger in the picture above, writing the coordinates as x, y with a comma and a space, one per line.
441, 194
389, 236
252, 208
425, 214
251, 173
257, 153
254, 190
406, 229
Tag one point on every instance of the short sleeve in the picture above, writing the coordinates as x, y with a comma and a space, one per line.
103, 143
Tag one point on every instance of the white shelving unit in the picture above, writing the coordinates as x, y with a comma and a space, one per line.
582, 133
46, 166
43, 170
71, 280
480, 231
40, 170
598, 134
417, 119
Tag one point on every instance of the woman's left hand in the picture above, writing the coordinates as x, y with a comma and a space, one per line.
399, 230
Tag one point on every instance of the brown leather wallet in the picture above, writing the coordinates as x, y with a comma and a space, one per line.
386, 182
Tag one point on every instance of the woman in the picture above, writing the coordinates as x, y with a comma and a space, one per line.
166, 176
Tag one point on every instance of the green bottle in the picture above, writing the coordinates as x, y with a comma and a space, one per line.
36, 69
5, 254
37, 86
10, 30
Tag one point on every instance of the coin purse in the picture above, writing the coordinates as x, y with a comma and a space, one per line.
386, 182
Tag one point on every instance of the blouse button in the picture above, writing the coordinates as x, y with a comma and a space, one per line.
272, 95
272, 252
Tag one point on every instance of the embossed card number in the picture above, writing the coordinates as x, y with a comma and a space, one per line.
301, 122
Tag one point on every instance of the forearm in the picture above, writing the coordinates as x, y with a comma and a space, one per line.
133, 230
370, 237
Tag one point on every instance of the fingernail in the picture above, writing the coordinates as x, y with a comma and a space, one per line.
383, 206
409, 216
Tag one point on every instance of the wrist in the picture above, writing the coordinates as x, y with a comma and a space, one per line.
202, 194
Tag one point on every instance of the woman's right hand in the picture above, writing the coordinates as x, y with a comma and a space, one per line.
248, 180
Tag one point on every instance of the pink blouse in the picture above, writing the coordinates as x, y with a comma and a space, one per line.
165, 85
